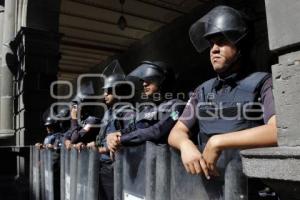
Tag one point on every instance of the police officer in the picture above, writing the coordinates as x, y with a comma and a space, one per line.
157, 114
63, 121
84, 126
52, 141
53, 133
63, 118
115, 89
222, 107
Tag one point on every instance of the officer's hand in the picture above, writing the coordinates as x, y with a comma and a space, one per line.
49, 146
211, 154
74, 112
103, 150
91, 145
113, 141
39, 145
192, 159
79, 146
68, 144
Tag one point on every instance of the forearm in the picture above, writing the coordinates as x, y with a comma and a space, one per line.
178, 136
74, 124
155, 133
261, 136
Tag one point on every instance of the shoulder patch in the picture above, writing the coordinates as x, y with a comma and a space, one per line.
174, 115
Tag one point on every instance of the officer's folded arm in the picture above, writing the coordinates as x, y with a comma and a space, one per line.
195, 162
260, 136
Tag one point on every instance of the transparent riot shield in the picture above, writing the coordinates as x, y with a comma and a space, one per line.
134, 170
93, 176
138, 172
184, 185
118, 175
67, 175
82, 171
63, 156
73, 173
48, 166
162, 172
43, 161
35, 173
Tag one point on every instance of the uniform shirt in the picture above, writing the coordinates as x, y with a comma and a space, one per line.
77, 134
51, 138
188, 116
113, 120
152, 123
59, 140
108, 125
74, 127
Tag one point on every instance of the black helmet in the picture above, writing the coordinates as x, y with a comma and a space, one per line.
84, 97
50, 122
79, 98
154, 71
63, 116
84, 93
220, 20
150, 71
63, 112
111, 80
113, 67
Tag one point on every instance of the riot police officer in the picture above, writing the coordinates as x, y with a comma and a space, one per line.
63, 122
157, 114
52, 142
115, 89
53, 133
63, 115
235, 110
84, 126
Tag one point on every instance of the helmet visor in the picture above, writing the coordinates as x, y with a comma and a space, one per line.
111, 81
222, 20
146, 72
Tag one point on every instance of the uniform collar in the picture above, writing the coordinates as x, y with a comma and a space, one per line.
51, 133
230, 80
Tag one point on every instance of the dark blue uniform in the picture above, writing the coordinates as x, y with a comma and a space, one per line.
52, 138
112, 121
152, 123
222, 106
55, 140
77, 134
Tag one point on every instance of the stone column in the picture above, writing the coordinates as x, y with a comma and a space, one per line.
6, 105
278, 167
284, 36
1, 35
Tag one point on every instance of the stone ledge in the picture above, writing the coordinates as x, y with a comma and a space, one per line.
281, 163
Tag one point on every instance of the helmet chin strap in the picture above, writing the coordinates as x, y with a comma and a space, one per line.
230, 65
